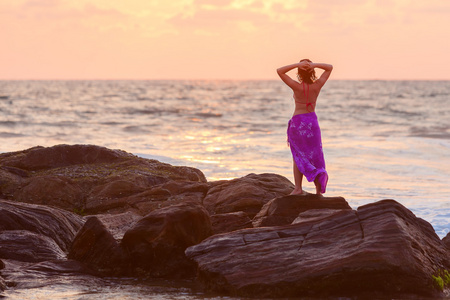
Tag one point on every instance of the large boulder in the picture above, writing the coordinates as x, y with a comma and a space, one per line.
95, 246
157, 242
42, 158
56, 224
247, 194
379, 249
284, 210
118, 224
228, 222
28, 246
89, 179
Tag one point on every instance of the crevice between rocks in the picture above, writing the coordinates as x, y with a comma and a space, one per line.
360, 225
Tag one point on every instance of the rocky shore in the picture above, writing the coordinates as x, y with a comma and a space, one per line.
89, 210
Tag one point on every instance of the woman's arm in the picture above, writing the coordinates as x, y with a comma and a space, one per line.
288, 80
325, 75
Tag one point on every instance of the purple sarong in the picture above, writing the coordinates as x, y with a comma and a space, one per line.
305, 141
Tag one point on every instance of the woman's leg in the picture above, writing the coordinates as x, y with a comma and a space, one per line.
318, 186
321, 183
298, 178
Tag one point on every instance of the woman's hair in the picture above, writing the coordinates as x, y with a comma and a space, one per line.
306, 76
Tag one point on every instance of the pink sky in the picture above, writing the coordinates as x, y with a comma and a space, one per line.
222, 39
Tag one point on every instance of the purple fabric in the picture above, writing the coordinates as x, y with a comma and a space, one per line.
305, 141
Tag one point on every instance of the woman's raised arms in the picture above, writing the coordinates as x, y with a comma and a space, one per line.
305, 65
325, 75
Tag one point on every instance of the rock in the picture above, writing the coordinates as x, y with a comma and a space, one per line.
284, 210
95, 246
446, 241
118, 224
222, 223
247, 194
315, 215
157, 242
40, 158
89, 179
2, 285
56, 224
61, 267
2, 281
28, 246
379, 249
49, 274
51, 190
158, 196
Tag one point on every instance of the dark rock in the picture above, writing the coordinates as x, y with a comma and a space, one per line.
247, 194
446, 241
157, 242
95, 246
57, 224
51, 273
222, 223
161, 195
28, 246
118, 224
381, 248
51, 190
2, 264
38, 158
284, 210
55, 267
90, 180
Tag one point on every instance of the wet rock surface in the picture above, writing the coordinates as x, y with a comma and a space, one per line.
28, 246
85, 212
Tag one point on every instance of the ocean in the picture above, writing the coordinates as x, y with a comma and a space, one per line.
381, 139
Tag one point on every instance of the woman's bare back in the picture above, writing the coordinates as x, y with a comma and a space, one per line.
305, 98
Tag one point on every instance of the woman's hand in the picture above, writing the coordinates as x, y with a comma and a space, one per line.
305, 65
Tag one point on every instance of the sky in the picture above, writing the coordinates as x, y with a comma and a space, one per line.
222, 39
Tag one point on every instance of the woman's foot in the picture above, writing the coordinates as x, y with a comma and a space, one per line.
298, 191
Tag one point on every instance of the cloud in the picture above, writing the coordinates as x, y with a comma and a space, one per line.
248, 16
42, 3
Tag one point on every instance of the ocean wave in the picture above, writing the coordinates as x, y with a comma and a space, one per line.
137, 129
150, 111
8, 123
437, 132
10, 135
208, 115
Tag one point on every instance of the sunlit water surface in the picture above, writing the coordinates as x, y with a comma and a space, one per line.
382, 139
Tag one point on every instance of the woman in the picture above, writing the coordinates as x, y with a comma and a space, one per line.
303, 130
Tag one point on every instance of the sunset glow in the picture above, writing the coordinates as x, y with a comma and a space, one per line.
222, 39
